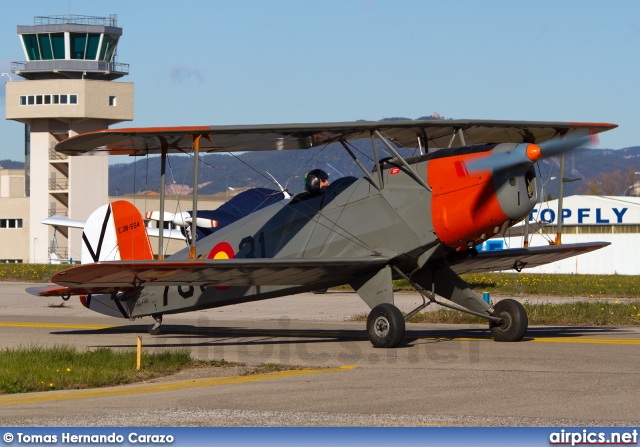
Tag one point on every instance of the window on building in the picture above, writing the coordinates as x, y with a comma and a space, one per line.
109, 43
10, 223
45, 46
78, 45
112, 101
51, 99
57, 43
10, 261
31, 45
93, 40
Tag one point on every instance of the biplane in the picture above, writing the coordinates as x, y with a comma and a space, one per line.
418, 218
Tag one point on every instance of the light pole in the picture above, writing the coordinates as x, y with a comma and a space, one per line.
7, 75
542, 198
634, 186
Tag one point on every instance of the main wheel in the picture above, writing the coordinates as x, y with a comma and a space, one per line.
514, 321
385, 326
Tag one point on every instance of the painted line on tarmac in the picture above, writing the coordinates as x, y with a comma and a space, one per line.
586, 340
56, 325
577, 340
50, 396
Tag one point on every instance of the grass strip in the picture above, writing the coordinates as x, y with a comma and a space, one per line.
62, 367
30, 272
540, 284
580, 313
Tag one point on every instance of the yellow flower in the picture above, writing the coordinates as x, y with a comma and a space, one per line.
68, 369
617, 301
51, 385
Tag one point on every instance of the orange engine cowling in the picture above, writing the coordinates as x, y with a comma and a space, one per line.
465, 207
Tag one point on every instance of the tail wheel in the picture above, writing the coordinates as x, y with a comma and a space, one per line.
514, 322
385, 326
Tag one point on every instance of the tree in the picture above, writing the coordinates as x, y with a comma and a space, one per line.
613, 183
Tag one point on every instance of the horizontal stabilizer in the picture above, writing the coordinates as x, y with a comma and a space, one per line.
522, 258
73, 291
63, 221
167, 234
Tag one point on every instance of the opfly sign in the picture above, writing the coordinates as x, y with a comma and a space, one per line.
581, 215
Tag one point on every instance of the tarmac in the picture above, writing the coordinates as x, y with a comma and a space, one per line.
442, 375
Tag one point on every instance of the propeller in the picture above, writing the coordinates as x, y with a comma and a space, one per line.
529, 152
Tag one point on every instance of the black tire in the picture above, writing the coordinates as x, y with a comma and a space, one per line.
385, 326
320, 291
514, 321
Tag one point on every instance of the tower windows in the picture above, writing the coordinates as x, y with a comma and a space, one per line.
65, 99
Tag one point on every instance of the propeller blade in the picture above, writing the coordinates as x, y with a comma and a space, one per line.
528, 153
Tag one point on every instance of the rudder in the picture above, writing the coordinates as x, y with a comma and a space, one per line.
115, 232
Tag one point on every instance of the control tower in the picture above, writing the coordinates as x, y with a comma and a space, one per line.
68, 88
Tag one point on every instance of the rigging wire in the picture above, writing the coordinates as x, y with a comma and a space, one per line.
542, 230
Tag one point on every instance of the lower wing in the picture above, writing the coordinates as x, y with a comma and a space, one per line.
111, 276
521, 258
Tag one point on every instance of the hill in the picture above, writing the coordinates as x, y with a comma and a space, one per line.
219, 172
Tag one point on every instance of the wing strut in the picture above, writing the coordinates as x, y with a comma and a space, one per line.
163, 162
360, 165
401, 160
375, 157
194, 211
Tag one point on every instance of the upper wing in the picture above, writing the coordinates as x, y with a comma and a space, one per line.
519, 258
433, 133
215, 272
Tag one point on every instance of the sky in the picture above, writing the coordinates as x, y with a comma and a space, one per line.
214, 62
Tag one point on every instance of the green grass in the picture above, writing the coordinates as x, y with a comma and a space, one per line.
580, 313
589, 286
62, 367
29, 272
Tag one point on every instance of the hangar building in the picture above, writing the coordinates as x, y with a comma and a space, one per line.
614, 219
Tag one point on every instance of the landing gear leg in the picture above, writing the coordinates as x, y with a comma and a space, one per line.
154, 329
385, 326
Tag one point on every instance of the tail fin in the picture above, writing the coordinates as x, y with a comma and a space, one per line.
115, 232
